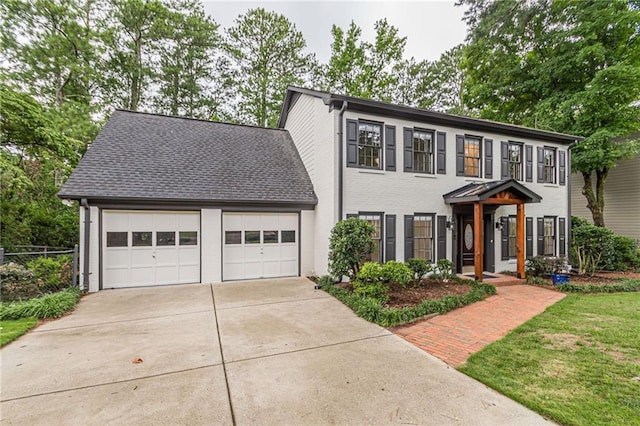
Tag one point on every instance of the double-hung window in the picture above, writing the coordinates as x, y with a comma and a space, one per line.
376, 221
423, 227
369, 145
515, 161
511, 232
549, 171
423, 158
549, 236
472, 156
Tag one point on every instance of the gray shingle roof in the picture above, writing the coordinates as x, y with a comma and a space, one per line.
153, 157
482, 191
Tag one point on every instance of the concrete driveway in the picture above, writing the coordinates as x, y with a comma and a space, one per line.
255, 352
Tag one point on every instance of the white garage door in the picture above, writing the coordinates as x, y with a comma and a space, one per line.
259, 245
143, 248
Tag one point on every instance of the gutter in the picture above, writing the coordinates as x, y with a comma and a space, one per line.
340, 159
85, 251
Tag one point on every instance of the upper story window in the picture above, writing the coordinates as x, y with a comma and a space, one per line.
423, 158
369, 145
515, 161
549, 171
471, 156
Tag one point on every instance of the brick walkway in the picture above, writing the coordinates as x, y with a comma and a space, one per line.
454, 336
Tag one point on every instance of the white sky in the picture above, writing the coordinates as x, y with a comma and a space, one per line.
431, 27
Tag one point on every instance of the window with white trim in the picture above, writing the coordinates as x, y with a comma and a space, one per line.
369, 145
423, 158
549, 237
515, 161
376, 221
423, 241
549, 171
472, 156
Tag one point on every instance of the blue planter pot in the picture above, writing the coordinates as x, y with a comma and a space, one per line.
559, 279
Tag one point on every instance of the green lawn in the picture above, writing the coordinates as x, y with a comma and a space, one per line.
12, 329
575, 363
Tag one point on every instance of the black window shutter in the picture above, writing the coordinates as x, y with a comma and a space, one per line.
390, 242
540, 236
540, 164
504, 237
408, 237
529, 237
352, 143
488, 158
504, 160
442, 153
442, 237
563, 168
390, 144
562, 230
529, 162
459, 155
407, 135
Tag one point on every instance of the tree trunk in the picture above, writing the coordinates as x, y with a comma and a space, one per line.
595, 200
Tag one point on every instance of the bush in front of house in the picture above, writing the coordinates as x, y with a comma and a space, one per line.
397, 272
51, 305
443, 269
54, 272
369, 283
542, 266
351, 242
626, 254
419, 267
18, 283
592, 246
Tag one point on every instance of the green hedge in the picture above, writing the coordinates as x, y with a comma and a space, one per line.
52, 305
373, 311
621, 287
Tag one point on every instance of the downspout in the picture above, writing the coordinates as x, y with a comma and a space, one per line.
85, 251
340, 158
569, 237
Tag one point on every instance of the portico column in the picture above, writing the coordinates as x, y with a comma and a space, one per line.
520, 243
478, 242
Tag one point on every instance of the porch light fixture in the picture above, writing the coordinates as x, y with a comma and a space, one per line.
449, 223
499, 225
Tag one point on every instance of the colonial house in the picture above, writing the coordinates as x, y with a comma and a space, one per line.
172, 200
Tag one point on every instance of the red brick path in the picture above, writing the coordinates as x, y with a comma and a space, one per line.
454, 336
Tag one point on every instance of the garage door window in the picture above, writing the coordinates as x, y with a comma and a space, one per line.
117, 239
233, 237
188, 238
270, 237
165, 239
141, 239
288, 236
252, 237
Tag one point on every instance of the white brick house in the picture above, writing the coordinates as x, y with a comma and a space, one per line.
393, 165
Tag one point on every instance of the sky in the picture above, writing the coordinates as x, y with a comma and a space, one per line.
431, 27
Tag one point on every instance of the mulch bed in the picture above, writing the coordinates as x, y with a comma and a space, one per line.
600, 278
428, 289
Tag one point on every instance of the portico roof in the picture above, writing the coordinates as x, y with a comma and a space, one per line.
486, 191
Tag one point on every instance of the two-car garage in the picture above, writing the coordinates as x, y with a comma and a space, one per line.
149, 247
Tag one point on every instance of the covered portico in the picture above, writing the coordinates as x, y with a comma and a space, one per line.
490, 195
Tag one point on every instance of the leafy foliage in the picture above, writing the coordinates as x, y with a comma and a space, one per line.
443, 269
591, 246
621, 287
349, 245
562, 65
542, 266
626, 254
397, 272
371, 309
55, 272
51, 305
419, 267
266, 54
18, 283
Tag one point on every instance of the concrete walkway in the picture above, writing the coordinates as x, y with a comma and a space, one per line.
261, 352
453, 337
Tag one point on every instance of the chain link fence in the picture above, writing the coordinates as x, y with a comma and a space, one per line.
30, 271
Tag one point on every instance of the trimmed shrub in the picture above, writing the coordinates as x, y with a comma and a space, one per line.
18, 283
52, 305
369, 283
420, 268
443, 269
626, 254
592, 246
349, 245
541, 266
326, 281
397, 272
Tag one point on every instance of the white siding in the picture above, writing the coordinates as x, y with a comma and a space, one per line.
211, 243
621, 199
311, 126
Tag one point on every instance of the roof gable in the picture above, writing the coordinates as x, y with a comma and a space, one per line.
484, 192
140, 156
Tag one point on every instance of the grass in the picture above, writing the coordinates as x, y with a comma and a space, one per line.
12, 329
371, 309
52, 305
576, 363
